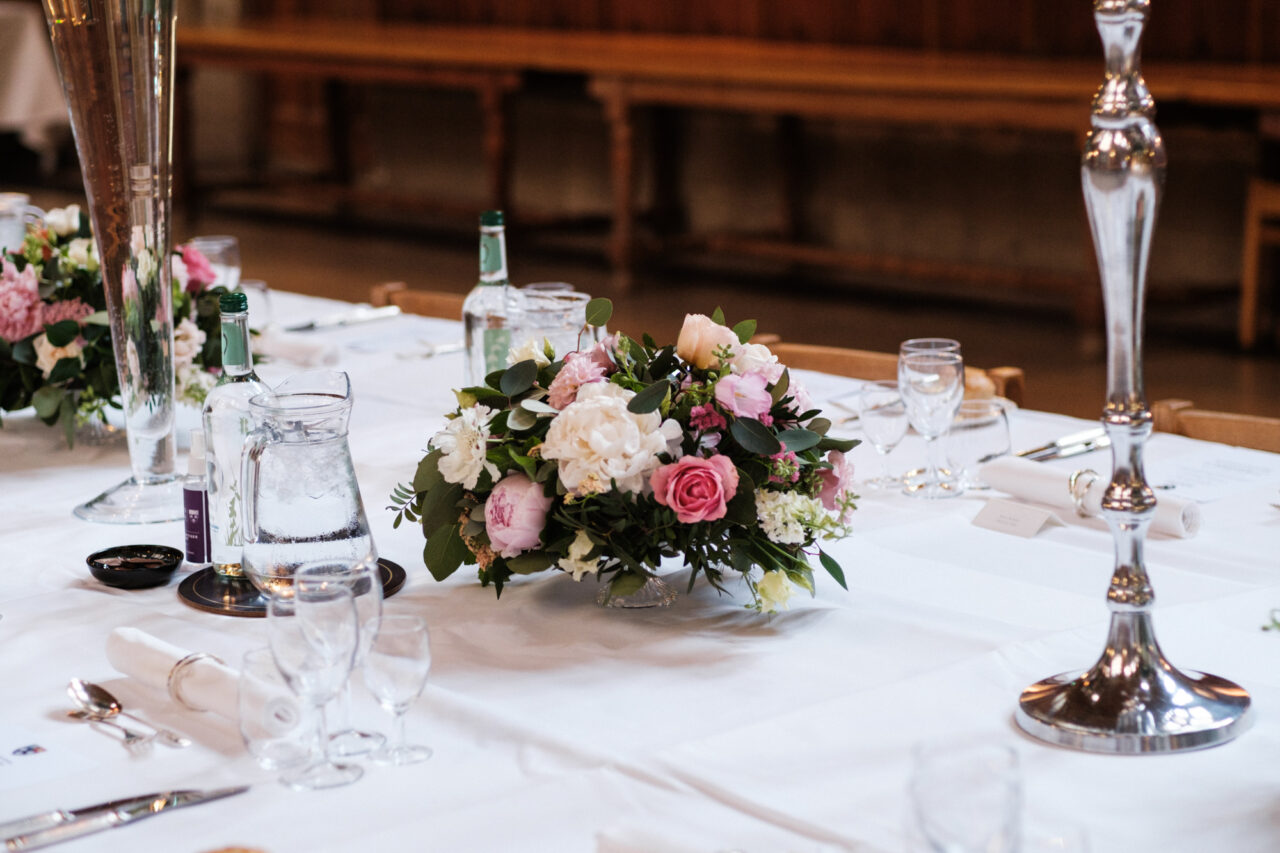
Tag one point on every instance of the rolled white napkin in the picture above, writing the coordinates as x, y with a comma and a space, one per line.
203, 683
1035, 481
299, 349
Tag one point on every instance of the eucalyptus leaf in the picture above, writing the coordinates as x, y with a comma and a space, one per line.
62, 333
440, 506
444, 551
819, 425
781, 387
844, 445
650, 399
599, 311
538, 407
427, 476
521, 418
745, 330
24, 351
754, 437
527, 564
799, 439
97, 318
832, 567
519, 377
46, 400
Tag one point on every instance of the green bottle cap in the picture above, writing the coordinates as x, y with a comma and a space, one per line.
233, 303
491, 217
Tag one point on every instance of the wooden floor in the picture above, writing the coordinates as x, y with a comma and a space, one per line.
1189, 352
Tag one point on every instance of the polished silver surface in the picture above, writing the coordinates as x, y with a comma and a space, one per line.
99, 702
1132, 700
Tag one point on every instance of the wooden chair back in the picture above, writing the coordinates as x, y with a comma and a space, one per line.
1007, 382
428, 303
1182, 418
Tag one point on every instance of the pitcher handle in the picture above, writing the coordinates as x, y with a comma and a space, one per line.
250, 464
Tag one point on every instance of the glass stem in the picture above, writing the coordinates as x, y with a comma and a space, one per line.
933, 448
401, 741
322, 730
344, 708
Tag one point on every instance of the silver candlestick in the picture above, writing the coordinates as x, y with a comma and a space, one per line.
1132, 700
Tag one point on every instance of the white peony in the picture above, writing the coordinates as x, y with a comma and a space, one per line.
577, 563
787, 517
464, 443
188, 340
774, 590
63, 221
596, 440
47, 355
756, 358
530, 349
192, 385
83, 253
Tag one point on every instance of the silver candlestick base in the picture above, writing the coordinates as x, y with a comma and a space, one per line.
1132, 700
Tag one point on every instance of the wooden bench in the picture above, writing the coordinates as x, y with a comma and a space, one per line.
628, 72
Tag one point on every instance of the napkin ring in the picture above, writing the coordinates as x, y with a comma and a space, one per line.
179, 671
1078, 484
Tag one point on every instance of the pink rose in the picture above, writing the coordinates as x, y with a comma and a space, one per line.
515, 514
20, 306
700, 338
601, 353
696, 488
744, 395
836, 481
200, 272
578, 370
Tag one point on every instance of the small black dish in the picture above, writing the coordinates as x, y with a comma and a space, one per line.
134, 566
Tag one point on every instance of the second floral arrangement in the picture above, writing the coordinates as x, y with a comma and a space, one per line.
611, 458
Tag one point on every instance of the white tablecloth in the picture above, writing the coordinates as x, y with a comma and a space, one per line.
561, 726
31, 102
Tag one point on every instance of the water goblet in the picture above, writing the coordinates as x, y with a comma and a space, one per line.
933, 345
274, 724
979, 433
364, 579
966, 797
883, 418
932, 385
223, 254
396, 673
314, 635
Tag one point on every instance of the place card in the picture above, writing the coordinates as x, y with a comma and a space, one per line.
1015, 518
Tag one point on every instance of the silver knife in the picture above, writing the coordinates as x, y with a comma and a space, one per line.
1069, 445
359, 314
59, 826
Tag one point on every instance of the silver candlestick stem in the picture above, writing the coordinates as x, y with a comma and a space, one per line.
1132, 700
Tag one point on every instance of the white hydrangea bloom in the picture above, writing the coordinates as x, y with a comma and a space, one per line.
596, 440
464, 443
787, 517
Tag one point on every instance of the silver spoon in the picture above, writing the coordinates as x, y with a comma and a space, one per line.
99, 702
131, 738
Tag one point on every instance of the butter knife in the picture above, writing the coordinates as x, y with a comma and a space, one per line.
1069, 445
58, 826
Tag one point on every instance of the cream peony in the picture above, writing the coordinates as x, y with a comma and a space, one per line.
47, 355
596, 440
700, 338
463, 444
577, 563
774, 590
532, 348
188, 340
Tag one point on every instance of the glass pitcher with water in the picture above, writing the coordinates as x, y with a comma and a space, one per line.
302, 502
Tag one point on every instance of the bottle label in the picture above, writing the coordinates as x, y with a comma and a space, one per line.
493, 256
497, 343
195, 504
234, 351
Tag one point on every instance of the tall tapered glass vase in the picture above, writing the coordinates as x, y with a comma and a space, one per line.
1132, 700
115, 59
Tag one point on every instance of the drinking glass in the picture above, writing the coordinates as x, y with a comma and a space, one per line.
364, 579
559, 316
273, 723
396, 673
932, 384
314, 635
933, 345
883, 418
223, 252
966, 797
979, 433
15, 214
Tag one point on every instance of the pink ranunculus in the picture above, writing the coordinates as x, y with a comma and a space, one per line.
701, 338
836, 481
578, 370
515, 514
696, 488
601, 353
200, 272
744, 395
20, 306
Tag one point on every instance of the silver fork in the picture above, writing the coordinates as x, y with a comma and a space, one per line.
131, 738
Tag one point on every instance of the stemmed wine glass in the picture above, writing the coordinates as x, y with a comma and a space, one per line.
396, 673
313, 636
364, 579
883, 418
932, 384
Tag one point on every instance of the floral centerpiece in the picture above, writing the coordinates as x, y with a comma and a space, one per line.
624, 453
55, 342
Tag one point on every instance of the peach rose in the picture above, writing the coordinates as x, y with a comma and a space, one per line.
700, 338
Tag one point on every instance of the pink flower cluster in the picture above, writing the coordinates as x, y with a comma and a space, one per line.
581, 368
67, 309
20, 306
837, 481
200, 274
